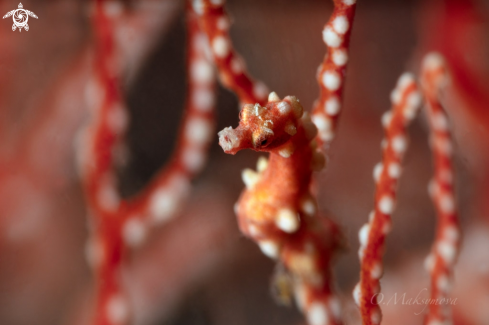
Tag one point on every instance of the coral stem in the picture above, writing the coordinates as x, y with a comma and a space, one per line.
405, 102
331, 73
441, 261
117, 224
215, 23
405, 99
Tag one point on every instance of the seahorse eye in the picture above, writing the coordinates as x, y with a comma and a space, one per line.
261, 139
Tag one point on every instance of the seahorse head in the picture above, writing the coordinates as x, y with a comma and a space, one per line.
263, 128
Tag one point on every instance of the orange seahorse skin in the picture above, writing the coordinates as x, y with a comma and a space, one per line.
277, 209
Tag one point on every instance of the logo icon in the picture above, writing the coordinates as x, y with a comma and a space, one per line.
20, 17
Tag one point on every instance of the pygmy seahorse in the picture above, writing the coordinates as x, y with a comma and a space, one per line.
277, 208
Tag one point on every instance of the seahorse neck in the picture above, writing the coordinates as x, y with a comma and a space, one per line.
292, 173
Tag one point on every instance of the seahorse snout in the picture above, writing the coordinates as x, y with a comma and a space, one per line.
228, 139
232, 140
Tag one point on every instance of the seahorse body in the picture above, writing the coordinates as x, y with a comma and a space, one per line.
277, 209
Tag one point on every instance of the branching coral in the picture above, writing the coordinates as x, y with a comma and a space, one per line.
215, 23
279, 207
440, 262
331, 73
406, 100
120, 224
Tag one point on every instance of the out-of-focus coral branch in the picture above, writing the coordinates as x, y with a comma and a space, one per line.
215, 22
331, 73
445, 248
458, 30
119, 224
405, 100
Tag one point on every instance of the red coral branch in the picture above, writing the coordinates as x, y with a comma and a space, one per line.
215, 22
405, 99
445, 247
119, 224
331, 73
